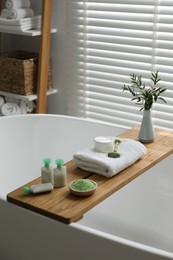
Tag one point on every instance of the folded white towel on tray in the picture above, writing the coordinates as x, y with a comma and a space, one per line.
17, 3
90, 160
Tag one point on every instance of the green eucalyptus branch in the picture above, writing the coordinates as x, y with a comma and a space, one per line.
143, 95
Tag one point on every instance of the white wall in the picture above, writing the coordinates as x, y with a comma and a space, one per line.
55, 103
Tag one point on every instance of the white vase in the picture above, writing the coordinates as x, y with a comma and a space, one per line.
147, 132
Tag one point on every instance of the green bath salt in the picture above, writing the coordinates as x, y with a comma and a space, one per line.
83, 185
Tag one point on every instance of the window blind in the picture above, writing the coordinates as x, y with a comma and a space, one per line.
106, 42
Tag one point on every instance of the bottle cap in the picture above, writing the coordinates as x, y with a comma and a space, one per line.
59, 162
26, 190
47, 161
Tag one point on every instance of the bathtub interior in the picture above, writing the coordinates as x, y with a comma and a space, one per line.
142, 211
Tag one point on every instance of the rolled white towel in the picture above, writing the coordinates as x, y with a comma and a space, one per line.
20, 13
10, 109
5, 13
2, 101
23, 109
28, 106
17, 3
97, 162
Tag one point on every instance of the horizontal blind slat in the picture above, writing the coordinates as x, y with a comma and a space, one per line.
107, 41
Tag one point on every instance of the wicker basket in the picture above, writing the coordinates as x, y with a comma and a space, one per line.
19, 72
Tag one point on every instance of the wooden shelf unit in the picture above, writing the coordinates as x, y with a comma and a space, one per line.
44, 52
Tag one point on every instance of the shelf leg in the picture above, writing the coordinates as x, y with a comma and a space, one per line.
1, 2
44, 56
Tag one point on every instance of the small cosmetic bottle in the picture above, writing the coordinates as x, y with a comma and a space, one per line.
60, 174
38, 188
47, 171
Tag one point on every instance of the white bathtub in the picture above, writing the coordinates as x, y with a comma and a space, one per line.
134, 223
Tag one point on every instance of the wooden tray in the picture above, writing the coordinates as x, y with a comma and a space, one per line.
61, 205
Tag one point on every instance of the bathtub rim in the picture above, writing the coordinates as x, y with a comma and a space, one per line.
98, 122
124, 241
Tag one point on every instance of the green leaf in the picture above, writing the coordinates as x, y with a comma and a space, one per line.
142, 94
162, 99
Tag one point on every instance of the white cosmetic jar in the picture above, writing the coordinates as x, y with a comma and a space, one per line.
103, 144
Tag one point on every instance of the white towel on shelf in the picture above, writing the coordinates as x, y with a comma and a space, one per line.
96, 162
12, 100
27, 106
2, 101
20, 13
5, 13
10, 109
21, 28
17, 3
22, 21
23, 109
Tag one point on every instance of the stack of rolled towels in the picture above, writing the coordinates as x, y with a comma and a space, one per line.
12, 106
18, 15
